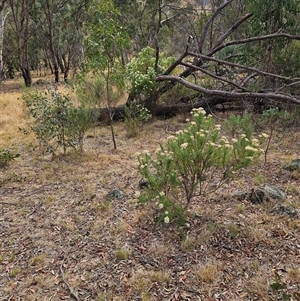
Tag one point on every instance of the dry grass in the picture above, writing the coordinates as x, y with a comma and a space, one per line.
206, 273
54, 213
11, 120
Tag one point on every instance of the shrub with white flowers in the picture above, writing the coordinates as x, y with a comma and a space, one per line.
141, 74
189, 162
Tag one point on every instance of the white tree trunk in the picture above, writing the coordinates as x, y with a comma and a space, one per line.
3, 16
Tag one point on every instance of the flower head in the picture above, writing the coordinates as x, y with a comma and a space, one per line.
250, 148
264, 135
184, 145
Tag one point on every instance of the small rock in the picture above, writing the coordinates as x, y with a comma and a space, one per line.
241, 195
274, 192
265, 193
143, 183
292, 166
286, 210
116, 194
257, 196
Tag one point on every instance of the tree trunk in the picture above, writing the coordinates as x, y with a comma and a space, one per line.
21, 16
26, 76
52, 49
60, 63
164, 111
67, 62
2, 22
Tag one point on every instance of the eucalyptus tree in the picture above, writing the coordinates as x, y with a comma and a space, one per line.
49, 20
271, 17
20, 12
105, 39
158, 23
71, 48
242, 78
59, 23
4, 11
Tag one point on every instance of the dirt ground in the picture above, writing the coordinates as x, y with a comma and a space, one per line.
61, 238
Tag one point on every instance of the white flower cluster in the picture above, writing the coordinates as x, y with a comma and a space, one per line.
184, 145
198, 111
252, 149
168, 155
264, 135
166, 219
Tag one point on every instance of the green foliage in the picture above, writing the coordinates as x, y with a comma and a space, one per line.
287, 60
81, 119
237, 124
92, 91
189, 162
141, 74
7, 156
270, 16
272, 118
279, 286
57, 122
135, 116
105, 40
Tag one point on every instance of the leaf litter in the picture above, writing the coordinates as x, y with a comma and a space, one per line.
61, 238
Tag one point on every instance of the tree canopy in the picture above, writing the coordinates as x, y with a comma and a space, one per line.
234, 49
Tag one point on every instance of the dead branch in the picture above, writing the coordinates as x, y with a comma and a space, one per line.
214, 76
73, 294
254, 39
252, 69
229, 94
231, 30
208, 24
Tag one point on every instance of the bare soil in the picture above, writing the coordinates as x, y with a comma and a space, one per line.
61, 238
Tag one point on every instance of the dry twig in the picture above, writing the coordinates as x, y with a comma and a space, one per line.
72, 292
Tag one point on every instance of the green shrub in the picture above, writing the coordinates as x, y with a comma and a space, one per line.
135, 116
237, 124
141, 73
272, 118
92, 91
57, 122
7, 156
188, 163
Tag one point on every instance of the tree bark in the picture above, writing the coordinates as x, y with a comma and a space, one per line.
21, 18
3, 16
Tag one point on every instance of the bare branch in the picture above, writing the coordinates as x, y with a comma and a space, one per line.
255, 39
229, 94
72, 292
208, 24
208, 58
214, 76
231, 30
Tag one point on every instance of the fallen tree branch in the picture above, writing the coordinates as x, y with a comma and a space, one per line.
229, 94
208, 58
231, 30
216, 76
208, 24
